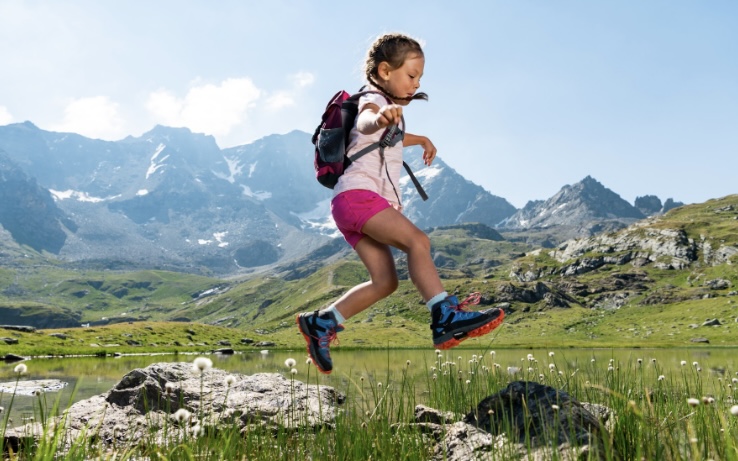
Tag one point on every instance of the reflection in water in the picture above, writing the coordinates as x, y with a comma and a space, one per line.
88, 376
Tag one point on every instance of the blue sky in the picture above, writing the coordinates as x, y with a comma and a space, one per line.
525, 96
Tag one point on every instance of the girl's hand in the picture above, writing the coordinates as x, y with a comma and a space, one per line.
391, 114
429, 151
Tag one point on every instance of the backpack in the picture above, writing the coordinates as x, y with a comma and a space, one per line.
331, 138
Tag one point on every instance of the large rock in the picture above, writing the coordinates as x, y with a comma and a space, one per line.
532, 411
147, 400
526, 421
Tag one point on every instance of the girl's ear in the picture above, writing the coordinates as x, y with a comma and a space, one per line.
383, 70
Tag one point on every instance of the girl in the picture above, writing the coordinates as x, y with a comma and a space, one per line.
368, 211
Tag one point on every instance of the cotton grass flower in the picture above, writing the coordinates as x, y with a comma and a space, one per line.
201, 364
290, 362
182, 415
734, 410
662, 377
692, 402
293, 371
555, 407
230, 380
20, 369
683, 363
169, 388
551, 354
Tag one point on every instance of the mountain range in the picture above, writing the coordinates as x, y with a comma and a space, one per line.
172, 199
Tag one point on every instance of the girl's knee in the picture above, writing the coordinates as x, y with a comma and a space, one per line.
421, 242
386, 286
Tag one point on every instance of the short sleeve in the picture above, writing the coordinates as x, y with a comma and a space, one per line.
372, 98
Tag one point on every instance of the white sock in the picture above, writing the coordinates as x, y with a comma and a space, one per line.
332, 309
439, 297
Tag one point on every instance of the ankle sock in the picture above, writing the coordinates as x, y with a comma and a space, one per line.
337, 315
437, 298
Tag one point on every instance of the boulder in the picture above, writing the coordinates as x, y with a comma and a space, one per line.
527, 421
146, 400
23, 328
532, 411
30, 387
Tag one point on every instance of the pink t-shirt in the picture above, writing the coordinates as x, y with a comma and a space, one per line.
369, 172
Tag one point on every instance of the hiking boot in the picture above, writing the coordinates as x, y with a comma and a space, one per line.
319, 330
451, 324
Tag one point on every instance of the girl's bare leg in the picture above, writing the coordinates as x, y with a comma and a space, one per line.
390, 227
378, 260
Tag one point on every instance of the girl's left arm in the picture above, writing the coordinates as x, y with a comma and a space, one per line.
429, 150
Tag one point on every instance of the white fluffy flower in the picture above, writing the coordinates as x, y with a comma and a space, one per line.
182, 415
692, 402
290, 362
201, 364
734, 410
21, 368
230, 380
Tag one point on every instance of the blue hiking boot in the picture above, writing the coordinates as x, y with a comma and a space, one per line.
319, 330
451, 324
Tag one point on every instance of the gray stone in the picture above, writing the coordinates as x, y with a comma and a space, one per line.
9, 341
700, 340
31, 386
13, 358
554, 409
530, 409
711, 323
59, 335
23, 328
246, 341
141, 404
717, 284
264, 344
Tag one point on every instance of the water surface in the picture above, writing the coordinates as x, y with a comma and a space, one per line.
88, 376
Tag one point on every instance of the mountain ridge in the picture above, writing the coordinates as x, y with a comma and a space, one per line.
173, 199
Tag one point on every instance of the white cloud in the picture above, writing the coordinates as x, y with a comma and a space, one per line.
302, 79
210, 109
94, 117
286, 98
5, 116
280, 100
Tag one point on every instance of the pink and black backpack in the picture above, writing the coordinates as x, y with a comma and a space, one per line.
331, 139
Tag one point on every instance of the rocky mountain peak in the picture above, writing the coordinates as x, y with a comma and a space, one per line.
574, 205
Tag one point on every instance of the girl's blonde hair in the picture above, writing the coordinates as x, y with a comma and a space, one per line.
394, 50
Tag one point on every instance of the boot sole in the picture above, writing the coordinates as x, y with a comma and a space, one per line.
308, 340
479, 331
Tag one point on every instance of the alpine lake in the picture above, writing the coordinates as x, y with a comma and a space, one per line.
84, 377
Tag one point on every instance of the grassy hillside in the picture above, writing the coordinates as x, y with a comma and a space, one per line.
620, 302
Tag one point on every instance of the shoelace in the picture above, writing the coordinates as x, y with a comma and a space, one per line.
330, 337
473, 298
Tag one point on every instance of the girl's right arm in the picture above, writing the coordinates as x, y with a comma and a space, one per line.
373, 118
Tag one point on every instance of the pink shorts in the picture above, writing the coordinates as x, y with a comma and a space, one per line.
352, 209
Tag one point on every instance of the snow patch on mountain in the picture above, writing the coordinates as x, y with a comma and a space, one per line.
258, 195
155, 164
235, 168
79, 196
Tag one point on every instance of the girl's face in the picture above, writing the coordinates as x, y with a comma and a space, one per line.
405, 80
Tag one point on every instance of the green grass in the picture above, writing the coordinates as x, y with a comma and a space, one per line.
651, 416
